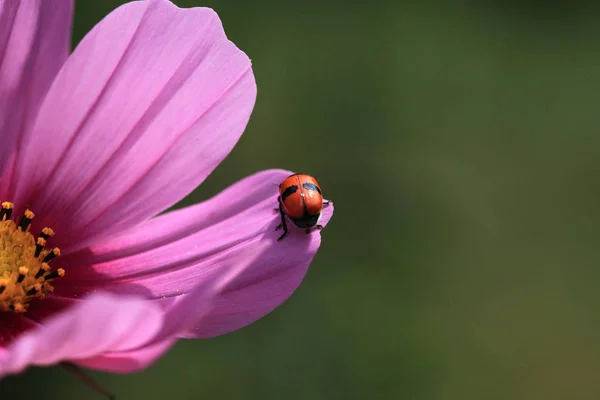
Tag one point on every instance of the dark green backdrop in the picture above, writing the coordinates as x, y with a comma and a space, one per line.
460, 143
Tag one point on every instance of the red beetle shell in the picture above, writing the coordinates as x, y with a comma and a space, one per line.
301, 199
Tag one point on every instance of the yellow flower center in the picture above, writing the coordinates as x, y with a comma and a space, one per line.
24, 270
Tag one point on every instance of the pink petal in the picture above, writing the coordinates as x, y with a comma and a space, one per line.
179, 316
130, 360
99, 324
230, 238
39, 310
12, 325
150, 102
34, 43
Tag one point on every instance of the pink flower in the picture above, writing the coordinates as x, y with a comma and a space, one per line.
96, 144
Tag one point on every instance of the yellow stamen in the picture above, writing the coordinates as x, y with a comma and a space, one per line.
24, 270
47, 232
6, 210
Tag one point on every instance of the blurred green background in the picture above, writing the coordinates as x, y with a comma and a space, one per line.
460, 141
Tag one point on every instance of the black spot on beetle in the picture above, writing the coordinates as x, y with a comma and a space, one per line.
290, 190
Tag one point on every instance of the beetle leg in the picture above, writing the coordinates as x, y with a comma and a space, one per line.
283, 224
326, 203
316, 227
277, 209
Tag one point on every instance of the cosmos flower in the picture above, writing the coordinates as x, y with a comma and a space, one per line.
95, 144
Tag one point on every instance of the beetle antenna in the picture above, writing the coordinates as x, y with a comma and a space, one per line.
79, 374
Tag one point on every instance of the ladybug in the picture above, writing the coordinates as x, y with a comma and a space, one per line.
301, 200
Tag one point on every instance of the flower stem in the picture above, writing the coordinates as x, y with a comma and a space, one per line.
87, 380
